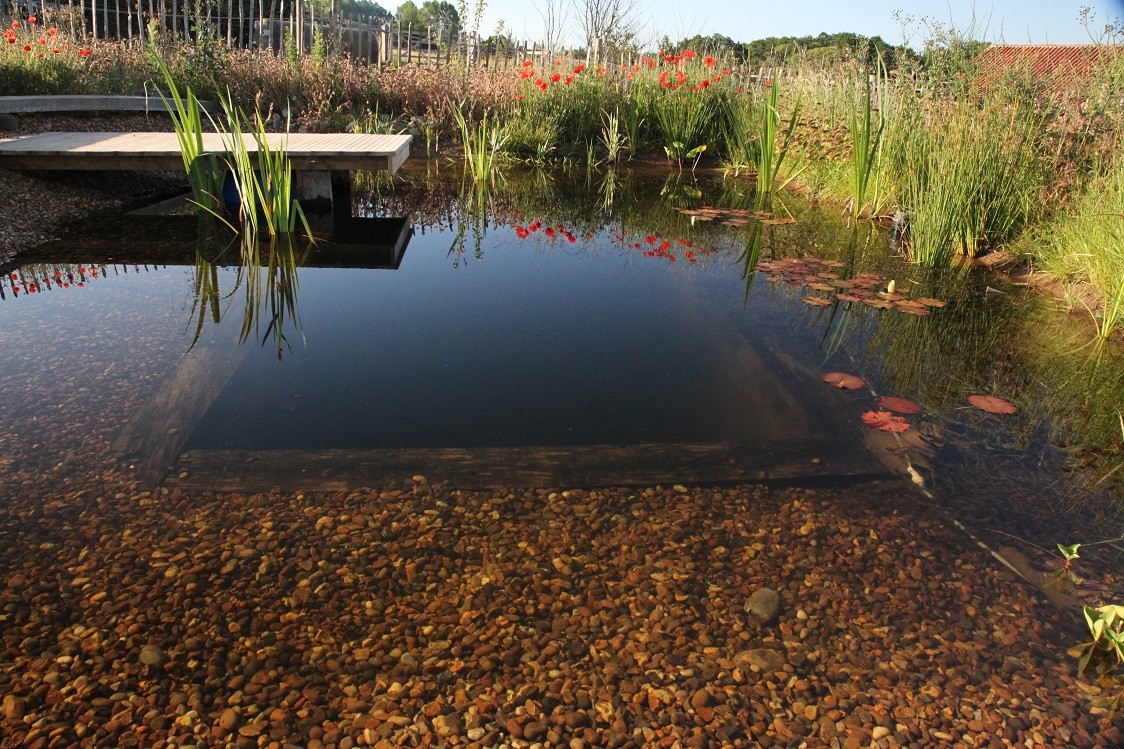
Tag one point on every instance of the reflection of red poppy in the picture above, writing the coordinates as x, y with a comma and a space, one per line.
650, 239
549, 232
521, 232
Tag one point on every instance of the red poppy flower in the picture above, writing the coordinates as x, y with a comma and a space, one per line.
52, 31
43, 42
690, 54
15, 24
708, 61
556, 77
569, 80
651, 63
27, 48
527, 63
85, 52
56, 50
579, 68
11, 40
519, 97
32, 20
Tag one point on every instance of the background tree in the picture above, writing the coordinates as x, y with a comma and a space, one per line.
556, 20
608, 25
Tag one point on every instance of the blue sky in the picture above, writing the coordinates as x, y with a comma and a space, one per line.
1013, 21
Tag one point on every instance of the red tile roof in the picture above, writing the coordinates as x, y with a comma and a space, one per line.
1057, 64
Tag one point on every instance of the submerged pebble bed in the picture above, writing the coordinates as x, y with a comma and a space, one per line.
418, 615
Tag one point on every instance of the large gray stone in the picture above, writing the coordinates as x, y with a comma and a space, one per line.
764, 605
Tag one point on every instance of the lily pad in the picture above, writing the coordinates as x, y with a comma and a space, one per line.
992, 404
898, 405
844, 381
885, 421
817, 301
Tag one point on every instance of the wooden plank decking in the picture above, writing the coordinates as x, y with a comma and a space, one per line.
160, 151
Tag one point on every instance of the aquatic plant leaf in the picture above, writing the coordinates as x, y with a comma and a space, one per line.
930, 302
898, 405
817, 301
848, 298
844, 381
885, 421
992, 404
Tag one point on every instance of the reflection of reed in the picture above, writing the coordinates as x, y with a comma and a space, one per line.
267, 274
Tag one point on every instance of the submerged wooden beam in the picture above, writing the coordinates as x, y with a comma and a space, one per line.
493, 467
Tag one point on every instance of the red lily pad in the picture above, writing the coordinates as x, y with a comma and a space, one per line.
992, 404
817, 301
930, 302
844, 381
898, 405
885, 421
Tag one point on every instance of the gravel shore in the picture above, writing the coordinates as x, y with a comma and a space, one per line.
36, 207
415, 614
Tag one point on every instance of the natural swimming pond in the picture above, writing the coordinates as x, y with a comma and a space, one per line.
637, 347
592, 328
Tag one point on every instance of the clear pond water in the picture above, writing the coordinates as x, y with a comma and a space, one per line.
573, 310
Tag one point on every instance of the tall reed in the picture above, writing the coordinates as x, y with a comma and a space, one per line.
771, 155
973, 178
483, 144
264, 179
203, 170
866, 140
682, 117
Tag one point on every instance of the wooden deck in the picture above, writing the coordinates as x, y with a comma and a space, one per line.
328, 152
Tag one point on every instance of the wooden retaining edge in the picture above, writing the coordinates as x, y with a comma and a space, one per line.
498, 467
87, 103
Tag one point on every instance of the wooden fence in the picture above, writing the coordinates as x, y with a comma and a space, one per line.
277, 25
